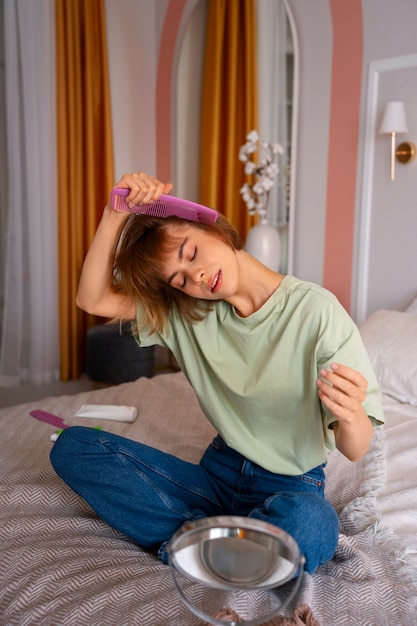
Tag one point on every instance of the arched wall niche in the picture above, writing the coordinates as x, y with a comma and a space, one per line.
178, 105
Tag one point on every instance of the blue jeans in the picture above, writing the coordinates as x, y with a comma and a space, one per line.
148, 494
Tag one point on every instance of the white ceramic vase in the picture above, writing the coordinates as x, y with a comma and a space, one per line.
264, 243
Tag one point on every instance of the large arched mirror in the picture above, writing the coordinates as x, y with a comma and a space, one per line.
277, 82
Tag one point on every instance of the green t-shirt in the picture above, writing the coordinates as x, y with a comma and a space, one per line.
255, 377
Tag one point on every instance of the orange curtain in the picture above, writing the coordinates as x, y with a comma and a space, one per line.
85, 158
229, 106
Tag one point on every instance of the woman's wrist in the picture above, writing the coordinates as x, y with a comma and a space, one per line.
120, 216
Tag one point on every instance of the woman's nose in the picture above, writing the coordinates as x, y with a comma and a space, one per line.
199, 275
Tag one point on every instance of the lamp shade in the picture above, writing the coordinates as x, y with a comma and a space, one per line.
394, 120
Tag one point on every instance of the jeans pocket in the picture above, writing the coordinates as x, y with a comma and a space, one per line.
314, 478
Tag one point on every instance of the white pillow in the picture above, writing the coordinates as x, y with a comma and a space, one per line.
413, 307
390, 338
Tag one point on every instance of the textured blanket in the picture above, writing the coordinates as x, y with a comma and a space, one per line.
61, 565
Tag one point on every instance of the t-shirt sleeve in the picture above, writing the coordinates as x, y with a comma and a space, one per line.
144, 337
351, 351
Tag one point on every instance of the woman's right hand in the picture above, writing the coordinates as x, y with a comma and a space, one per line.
143, 188
95, 290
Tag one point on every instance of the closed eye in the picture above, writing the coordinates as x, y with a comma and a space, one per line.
184, 281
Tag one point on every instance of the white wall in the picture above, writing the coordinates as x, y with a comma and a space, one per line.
186, 159
386, 211
133, 32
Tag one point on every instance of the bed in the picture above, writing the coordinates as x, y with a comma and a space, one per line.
61, 565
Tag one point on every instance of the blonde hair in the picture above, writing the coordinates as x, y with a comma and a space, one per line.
143, 247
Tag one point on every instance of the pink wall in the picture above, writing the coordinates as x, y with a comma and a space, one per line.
343, 146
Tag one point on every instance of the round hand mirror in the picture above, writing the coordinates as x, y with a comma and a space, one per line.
235, 554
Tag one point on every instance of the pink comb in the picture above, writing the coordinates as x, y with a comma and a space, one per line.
49, 418
165, 206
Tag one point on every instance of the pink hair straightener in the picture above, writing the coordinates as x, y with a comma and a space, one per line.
165, 206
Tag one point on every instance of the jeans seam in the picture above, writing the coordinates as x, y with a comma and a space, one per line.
198, 492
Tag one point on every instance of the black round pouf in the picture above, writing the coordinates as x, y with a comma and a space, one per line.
114, 357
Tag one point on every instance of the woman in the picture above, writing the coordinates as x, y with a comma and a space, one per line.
276, 363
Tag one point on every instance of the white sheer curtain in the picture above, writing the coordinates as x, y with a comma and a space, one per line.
29, 337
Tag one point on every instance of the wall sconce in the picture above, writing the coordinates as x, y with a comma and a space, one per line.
394, 122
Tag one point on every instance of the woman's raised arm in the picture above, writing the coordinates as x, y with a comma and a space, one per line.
95, 290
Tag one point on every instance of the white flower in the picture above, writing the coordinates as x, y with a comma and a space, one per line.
255, 193
250, 167
268, 184
258, 188
272, 170
253, 136
277, 148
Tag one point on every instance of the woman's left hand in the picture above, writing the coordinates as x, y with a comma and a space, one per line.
342, 390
